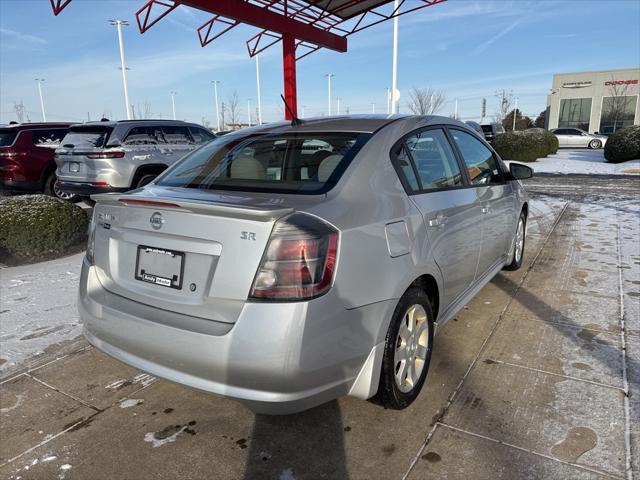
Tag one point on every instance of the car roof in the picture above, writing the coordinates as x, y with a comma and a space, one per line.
144, 122
31, 126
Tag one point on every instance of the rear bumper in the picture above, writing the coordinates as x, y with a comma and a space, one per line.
87, 189
277, 358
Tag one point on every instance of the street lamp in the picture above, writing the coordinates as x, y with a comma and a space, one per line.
119, 24
40, 80
173, 103
394, 67
329, 75
249, 111
215, 92
258, 87
338, 109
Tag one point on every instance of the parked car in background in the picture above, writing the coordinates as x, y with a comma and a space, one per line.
475, 126
287, 265
576, 138
491, 130
108, 156
27, 158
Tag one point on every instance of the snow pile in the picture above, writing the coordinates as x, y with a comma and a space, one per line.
583, 161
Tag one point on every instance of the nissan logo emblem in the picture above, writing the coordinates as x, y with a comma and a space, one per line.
156, 220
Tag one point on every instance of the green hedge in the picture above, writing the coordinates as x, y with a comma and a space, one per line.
623, 145
39, 225
525, 145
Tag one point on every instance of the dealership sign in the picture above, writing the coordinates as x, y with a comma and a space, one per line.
621, 82
576, 84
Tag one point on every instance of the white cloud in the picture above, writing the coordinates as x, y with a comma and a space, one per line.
21, 37
483, 46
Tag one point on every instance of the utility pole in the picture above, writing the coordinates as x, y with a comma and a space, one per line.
173, 103
215, 92
515, 114
258, 86
119, 24
329, 75
394, 67
40, 80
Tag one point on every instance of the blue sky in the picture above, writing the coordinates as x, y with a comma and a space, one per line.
467, 48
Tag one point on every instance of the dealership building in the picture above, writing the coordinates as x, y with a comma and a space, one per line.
600, 102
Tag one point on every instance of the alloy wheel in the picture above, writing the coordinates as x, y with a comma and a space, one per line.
412, 347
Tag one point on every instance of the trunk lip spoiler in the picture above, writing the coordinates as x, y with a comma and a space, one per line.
193, 206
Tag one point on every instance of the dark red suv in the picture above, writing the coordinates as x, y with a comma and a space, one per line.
26, 158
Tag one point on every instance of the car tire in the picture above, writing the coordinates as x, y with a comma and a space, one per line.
88, 201
145, 179
595, 144
519, 241
407, 350
52, 190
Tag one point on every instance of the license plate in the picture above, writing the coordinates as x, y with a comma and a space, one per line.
160, 266
74, 167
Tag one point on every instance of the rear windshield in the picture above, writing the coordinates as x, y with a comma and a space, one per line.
86, 137
487, 129
7, 137
303, 163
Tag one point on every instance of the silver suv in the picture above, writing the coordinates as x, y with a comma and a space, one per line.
287, 265
99, 157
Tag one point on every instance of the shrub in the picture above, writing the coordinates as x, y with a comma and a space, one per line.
623, 145
525, 145
39, 225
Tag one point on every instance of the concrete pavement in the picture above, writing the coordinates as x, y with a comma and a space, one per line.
531, 380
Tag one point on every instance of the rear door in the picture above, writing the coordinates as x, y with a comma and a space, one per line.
561, 134
433, 179
178, 141
494, 194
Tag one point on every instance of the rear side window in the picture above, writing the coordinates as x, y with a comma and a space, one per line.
308, 163
200, 135
479, 160
48, 138
144, 136
432, 159
86, 138
7, 137
177, 135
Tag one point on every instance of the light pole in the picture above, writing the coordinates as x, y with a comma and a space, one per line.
373, 108
304, 107
258, 87
173, 103
394, 67
215, 92
44, 115
338, 105
249, 111
515, 114
329, 75
388, 100
119, 24
455, 110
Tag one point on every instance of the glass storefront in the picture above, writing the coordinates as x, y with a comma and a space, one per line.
575, 113
617, 112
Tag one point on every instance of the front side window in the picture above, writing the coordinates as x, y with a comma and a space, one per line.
50, 138
7, 137
177, 135
143, 136
575, 113
302, 163
481, 165
433, 160
200, 135
617, 112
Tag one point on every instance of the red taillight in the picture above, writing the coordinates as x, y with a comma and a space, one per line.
299, 262
13, 153
97, 155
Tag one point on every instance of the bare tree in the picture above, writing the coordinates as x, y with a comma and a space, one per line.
232, 107
425, 101
20, 111
144, 110
614, 107
505, 99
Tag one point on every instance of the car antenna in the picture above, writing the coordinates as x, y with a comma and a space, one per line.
294, 119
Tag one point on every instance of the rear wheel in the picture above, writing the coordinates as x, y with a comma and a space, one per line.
595, 144
145, 179
53, 190
518, 244
407, 350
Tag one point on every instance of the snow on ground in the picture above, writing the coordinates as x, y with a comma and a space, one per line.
37, 309
584, 161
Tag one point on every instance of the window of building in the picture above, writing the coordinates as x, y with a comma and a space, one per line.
575, 113
617, 112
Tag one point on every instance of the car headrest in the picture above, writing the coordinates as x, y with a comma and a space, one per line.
327, 166
249, 168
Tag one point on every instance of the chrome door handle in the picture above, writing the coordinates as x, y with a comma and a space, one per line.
439, 221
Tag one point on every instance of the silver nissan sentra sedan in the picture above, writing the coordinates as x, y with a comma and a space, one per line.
290, 264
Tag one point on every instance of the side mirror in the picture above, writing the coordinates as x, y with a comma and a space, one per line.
520, 171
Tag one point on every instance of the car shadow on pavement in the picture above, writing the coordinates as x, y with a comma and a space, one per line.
607, 353
303, 445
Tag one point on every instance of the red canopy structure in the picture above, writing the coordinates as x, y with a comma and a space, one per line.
303, 26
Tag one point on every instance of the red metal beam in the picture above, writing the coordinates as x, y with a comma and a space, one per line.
58, 5
143, 14
289, 64
260, 17
206, 32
